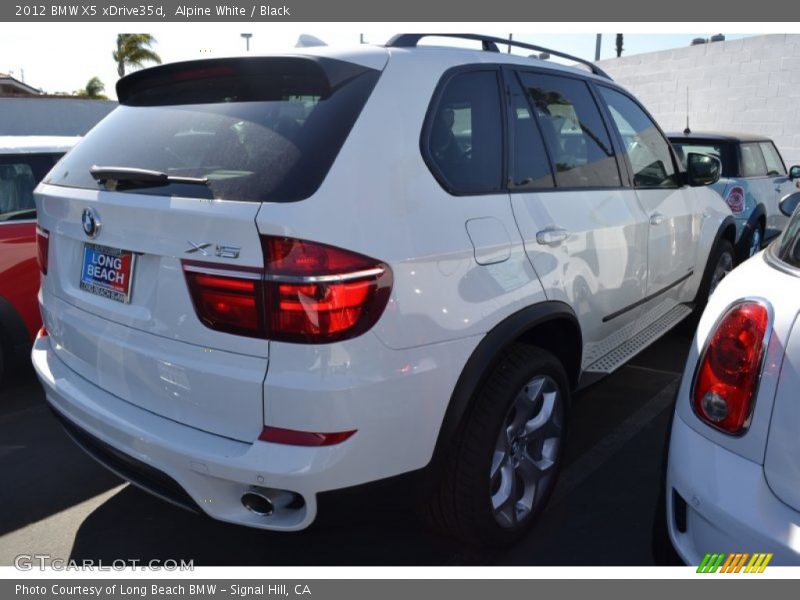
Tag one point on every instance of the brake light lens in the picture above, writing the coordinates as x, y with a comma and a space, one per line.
727, 378
306, 293
735, 199
42, 248
226, 303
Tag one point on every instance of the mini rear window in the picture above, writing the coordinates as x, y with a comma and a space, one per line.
258, 129
19, 174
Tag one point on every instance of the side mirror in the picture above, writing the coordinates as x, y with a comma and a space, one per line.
789, 203
702, 169
794, 172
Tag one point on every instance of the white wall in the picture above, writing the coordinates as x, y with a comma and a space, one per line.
40, 115
747, 85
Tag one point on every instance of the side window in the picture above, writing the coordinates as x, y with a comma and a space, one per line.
775, 166
19, 175
530, 168
752, 161
647, 150
573, 130
465, 133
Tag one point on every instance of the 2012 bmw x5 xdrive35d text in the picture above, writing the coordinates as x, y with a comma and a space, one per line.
271, 277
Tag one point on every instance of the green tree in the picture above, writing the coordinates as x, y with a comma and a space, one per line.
133, 50
94, 89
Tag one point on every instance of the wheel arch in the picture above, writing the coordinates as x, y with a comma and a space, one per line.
725, 231
551, 325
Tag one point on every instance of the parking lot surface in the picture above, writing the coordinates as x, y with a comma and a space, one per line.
58, 501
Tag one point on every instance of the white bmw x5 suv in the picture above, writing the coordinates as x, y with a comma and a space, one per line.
264, 278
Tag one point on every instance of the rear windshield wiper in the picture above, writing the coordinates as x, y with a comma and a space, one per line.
120, 178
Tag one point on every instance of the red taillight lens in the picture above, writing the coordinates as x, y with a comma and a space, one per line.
291, 437
735, 199
226, 302
728, 374
42, 248
306, 293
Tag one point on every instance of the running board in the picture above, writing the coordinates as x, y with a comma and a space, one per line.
631, 347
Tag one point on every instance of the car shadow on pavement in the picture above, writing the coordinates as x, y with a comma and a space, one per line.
43, 472
605, 520
134, 525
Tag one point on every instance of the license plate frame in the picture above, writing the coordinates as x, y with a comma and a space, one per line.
98, 274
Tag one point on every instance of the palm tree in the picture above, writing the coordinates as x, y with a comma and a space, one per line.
133, 50
94, 89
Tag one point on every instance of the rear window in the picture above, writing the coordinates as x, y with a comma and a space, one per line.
19, 174
258, 129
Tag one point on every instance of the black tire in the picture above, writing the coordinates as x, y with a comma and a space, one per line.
511, 402
722, 252
2, 364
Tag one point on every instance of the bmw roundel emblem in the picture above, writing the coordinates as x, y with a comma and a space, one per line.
91, 222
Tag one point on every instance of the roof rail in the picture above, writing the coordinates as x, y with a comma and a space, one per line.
490, 44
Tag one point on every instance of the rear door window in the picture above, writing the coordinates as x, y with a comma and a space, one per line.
573, 130
751, 161
258, 129
530, 168
19, 175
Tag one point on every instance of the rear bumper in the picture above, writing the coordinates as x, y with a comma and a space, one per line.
729, 506
210, 473
213, 471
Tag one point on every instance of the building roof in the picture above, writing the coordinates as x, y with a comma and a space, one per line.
7, 80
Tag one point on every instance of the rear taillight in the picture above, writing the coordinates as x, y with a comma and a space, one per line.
306, 293
42, 248
735, 199
227, 302
728, 374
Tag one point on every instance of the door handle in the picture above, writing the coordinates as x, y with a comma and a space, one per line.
551, 237
657, 219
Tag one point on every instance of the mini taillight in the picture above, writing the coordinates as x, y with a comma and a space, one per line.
735, 199
292, 437
42, 248
729, 370
306, 293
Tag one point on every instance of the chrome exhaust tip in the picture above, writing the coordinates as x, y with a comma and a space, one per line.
258, 504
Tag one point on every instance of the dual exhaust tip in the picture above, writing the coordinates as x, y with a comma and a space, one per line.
264, 502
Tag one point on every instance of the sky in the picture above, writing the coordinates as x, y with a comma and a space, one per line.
59, 57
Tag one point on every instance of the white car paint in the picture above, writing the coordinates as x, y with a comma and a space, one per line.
150, 380
742, 491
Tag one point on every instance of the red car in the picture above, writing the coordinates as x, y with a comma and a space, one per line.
24, 161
